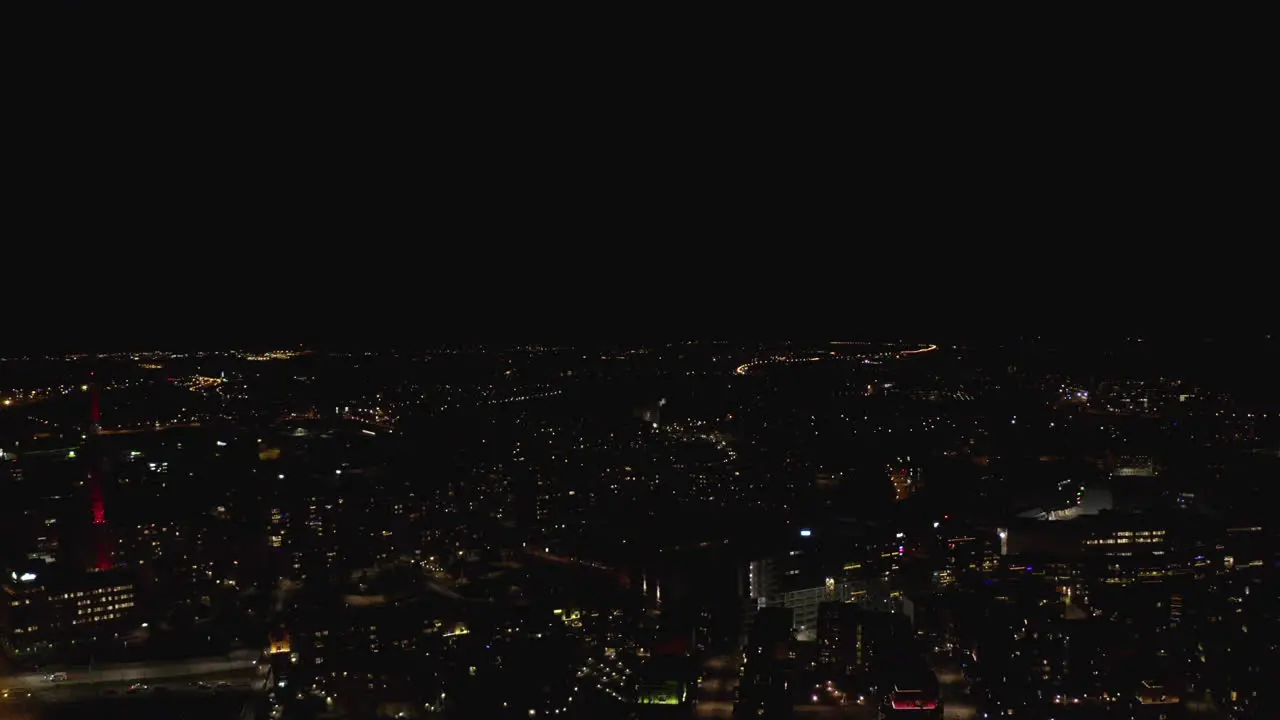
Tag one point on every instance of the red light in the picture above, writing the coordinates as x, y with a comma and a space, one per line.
914, 705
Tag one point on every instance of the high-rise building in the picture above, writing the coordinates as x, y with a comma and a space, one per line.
763, 687
795, 581
849, 635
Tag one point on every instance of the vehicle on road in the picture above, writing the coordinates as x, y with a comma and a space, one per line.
55, 677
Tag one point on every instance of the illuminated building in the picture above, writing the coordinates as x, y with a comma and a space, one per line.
792, 581
1134, 466
1116, 548
10, 470
669, 693
968, 553
905, 481
915, 695
48, 610
1157, 692
278, 643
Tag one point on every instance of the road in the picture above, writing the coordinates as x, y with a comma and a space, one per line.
720, 673
149, 428
129, 673
720, 677
956, 703
1203, 706
178, 701
72, 693
715, 694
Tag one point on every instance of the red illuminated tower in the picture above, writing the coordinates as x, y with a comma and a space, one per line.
100, 537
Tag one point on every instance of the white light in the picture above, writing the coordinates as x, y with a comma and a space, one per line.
27, 577
806, 533
936, 524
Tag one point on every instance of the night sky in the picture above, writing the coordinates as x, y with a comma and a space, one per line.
320, 197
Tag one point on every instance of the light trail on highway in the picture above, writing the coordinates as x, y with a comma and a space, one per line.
930, 348
747, 367
58, 693
127, 673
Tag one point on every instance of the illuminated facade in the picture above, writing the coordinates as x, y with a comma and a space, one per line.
786, 583
905, 482
45, 612
1124, 537
279, 643
1134, 466
671, 692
